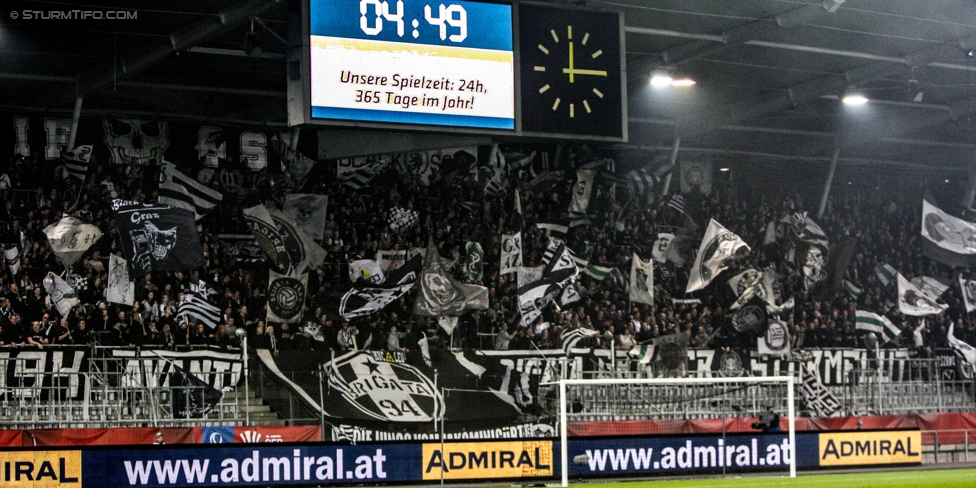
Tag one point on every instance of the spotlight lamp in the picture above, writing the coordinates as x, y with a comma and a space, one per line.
854, 97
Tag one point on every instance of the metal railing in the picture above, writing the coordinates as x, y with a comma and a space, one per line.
282, 399
110, 393
950, 445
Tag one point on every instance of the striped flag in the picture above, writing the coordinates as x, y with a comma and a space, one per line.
885, 272
642, 353
571, 337
76, 161
194, 306
851, 289
878, 324
336, 381
677, 202
598, 273
179, 190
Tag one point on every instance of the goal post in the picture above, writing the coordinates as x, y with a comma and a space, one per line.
595, 401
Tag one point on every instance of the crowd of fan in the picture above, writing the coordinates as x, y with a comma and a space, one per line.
357, 227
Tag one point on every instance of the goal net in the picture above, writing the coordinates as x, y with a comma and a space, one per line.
642, 428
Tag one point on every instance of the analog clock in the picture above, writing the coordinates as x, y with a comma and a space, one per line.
570, 71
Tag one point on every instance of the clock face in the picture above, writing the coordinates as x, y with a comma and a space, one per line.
570, 71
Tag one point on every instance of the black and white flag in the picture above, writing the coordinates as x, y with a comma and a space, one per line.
440, 294
554, 230
806, 230
560, 272
157, 238
356, 173
296, 164
179, 190
572, 337
511, 253
286, 297
192, 397
642, 281
62, 296
717, 251
194, 306
776, 340
696, 175
947, 239
402, 218
913, 301
70, 238
366, 269
966, 350
816, 396
661, 246
366, 298
968, 288
931, 287
12, 258
528, 274
77, 161
582, 191
308, 211
120, 288
291, 249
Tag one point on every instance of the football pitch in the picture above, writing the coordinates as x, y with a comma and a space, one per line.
874, 479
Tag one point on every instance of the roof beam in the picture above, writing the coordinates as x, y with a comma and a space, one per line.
775, 100
186, 37
705, 45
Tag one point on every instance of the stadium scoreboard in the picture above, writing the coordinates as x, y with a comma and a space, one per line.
472, 67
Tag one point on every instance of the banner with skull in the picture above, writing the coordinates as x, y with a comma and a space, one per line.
286, 297
157, 238
136, 142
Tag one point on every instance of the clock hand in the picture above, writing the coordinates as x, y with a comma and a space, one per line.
572, 71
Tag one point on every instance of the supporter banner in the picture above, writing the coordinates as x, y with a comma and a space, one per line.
286, 297
372, 386
152, 367
57, 368
397, 258
421, 164
41, 469
157, 238
948, 239
136, 142
862, 448
259, 464
511, 253
356, 434
833, 365
488, 460
259, 435
243, 248
702, 453
120, 288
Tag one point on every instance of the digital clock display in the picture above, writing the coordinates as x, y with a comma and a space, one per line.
444, 63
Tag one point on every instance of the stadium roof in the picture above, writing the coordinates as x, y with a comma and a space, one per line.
770, 73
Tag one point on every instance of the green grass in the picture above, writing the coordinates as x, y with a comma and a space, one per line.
943, 478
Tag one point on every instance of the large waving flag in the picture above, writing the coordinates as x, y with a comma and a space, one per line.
717, 251
179, 190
